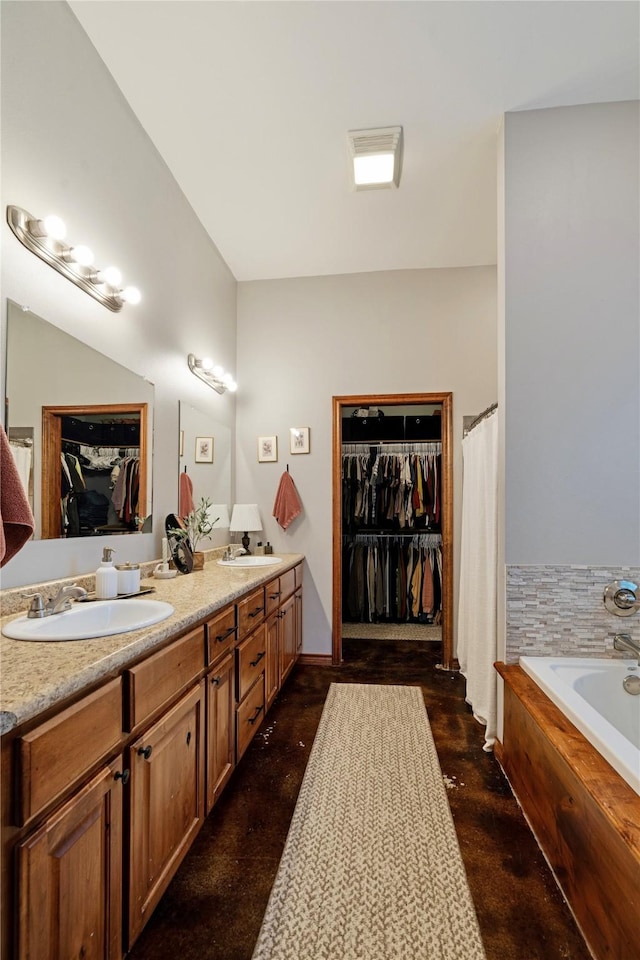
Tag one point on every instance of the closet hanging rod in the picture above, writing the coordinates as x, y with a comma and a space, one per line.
362, 446
106, 446
21, 441
481, 416
395, 533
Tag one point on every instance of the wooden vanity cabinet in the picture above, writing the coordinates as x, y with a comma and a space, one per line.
65, 830
167, 763
102, 800
221, 632
70, 876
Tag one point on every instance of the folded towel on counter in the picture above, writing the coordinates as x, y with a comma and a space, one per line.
185, 499
287, 505
16, 519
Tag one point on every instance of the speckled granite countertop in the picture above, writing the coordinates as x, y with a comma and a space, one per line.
35, 676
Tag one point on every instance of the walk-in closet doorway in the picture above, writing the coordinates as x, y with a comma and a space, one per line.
373, 443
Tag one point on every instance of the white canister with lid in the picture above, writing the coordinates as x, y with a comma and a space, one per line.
128, 577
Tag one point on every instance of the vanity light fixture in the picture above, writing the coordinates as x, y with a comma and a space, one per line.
212, 374
46, 238
376, 157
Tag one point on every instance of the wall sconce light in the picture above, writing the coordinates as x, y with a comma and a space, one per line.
376, 157
46, 238
212, 374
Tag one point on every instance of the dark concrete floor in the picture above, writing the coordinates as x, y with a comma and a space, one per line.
213, 908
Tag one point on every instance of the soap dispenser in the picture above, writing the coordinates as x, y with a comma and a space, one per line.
106, 577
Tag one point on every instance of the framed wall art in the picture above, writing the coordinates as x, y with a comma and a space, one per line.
299, 440
267, 449
204, 450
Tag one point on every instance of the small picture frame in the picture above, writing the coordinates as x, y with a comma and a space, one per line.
204, 450
299, 440
267, 449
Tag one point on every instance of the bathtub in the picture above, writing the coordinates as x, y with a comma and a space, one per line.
590, 693
569, 750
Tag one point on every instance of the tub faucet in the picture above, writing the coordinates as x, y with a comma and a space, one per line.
623, 641
62, 601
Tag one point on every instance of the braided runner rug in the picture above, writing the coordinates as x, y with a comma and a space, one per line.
371, 868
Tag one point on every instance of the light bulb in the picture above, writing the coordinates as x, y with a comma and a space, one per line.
131, 295
227, 379
55, 227
232, 387
218, 371
206, 363
110, 275
82, 255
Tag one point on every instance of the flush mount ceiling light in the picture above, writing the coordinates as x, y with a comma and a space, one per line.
46, 237
376, 157
211, 374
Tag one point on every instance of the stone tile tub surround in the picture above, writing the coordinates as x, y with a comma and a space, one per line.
36, 676
559, 611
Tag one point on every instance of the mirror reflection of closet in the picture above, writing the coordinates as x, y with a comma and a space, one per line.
94, 479
49, 369
205, 454
393, 516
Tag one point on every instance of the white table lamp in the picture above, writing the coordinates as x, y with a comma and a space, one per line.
245, 519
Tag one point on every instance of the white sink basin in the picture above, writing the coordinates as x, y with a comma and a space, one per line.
88, 620
265, 561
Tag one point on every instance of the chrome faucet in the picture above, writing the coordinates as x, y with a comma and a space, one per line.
62, 601
232, 553
623, 641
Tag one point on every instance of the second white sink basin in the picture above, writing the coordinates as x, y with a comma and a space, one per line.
251, 561
88, 620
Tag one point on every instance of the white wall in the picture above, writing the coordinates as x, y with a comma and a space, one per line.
303, 341
572, 335
71, 146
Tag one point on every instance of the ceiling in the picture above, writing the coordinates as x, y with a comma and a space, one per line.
249, 104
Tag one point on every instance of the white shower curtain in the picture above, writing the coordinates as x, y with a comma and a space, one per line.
477, 606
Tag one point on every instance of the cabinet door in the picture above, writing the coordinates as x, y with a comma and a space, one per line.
221, 746
288, 650
167, 802
272, 666
298, 620
70, 877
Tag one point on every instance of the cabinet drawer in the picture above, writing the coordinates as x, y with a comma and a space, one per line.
163, 675
287, 584
57, 753
221, 634
272, 596
249, 716
251, 660
250, 612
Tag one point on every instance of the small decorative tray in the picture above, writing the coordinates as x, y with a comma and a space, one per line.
121, 596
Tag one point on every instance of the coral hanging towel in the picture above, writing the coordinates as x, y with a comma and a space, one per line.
16, 519
287, 505
185, 495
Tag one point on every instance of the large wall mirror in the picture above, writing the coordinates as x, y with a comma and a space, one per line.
205, 454
81, 427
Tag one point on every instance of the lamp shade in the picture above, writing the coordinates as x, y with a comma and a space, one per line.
221, 512
245, 518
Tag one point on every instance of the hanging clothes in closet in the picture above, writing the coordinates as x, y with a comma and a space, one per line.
99, 485
392, 578
394, 486
392, 546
